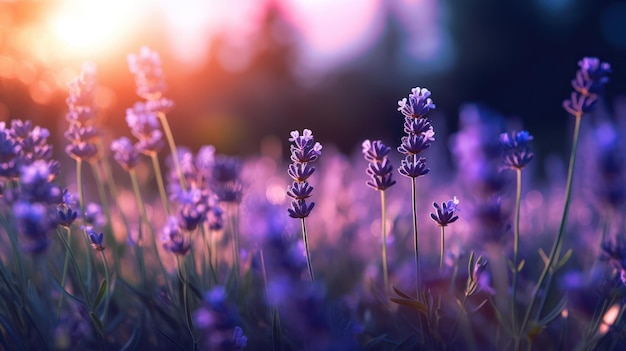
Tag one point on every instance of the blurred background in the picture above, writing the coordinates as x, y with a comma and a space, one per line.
241, 71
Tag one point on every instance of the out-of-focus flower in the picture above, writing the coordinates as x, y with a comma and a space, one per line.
446, 212
515, 151
149, 77
615, 254
175, 240
82, 115
125, 153
588, 85
95, 238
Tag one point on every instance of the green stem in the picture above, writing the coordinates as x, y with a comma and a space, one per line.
443, 243
308, 253
556, 248
77, 270
458, 317
384, 235
107, 277
144, 219
110, 239
182, 274
81, 200
159, 179
415, 237
518, 200
264, 271
172, 145
64, 274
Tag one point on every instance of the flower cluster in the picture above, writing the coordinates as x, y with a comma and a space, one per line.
304, 150
144, 125
515, 151
419, 132
379, 168
445, 214
175, 238
82, 115
125, 153
588, 84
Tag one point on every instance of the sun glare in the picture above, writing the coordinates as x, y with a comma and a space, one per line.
90, 27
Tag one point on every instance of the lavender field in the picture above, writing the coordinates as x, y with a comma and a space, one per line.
434, 241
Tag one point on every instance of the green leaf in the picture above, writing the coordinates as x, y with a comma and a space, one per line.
96, 321
131, 344
521, 265
478, 307
373, 342
544, 258
565, 258
416, 305
401, 293
101, 291
168, 338
470, 265
277, 339
555, 313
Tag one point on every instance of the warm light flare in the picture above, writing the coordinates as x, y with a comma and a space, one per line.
91, 27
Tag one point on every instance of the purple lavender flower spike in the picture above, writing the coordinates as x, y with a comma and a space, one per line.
413, 168
9, 151
379, 168
95, 238
240, 341
125, 153
515, 151
446, 212
149, 77
589, 83
304, 149
418, 104
175, 240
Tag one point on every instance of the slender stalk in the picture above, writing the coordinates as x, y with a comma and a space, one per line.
458, 317
144, 218
308, 253
384, 231
234, 231
107, 277
443, 250
518, 200
159, 179
415, 237
105, 205
183, 276
64, 274
81, 201
556, 248
264, 271
170, 141
77, 270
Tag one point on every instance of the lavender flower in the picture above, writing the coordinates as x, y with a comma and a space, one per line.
95, 238
475, 275
304, 149
66, 215
125, 153
9, 151
149, 77
81, 116
419, 132
225, 180
379, 168
446, 212
34, 221
174, 237
515, 151
588, 85
418, 104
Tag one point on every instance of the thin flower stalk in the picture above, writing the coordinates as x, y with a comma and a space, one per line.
589, 83
159, 178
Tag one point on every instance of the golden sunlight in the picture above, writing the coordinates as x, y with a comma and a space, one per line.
90, 27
